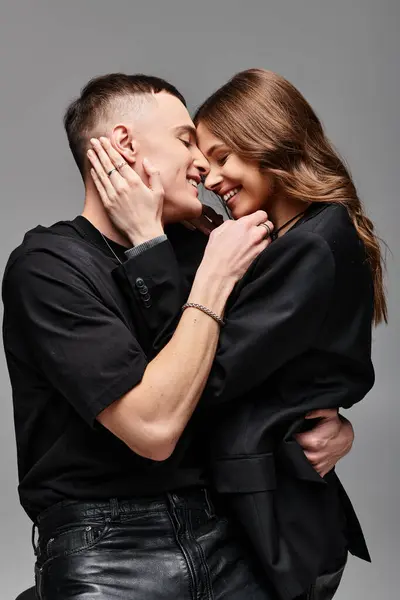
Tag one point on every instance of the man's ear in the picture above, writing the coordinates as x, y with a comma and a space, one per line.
124, 142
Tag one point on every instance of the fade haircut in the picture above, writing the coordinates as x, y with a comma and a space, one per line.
99, 98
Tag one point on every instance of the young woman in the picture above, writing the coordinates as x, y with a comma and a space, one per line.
298, 327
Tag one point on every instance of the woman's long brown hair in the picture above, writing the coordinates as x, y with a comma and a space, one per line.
264, 118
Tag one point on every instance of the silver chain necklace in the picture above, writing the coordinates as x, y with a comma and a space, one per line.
110, 248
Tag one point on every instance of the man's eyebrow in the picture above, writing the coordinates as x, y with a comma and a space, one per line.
190, 129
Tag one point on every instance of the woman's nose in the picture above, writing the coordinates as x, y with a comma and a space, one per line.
212, 181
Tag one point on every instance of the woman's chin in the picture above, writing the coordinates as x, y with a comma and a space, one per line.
237, 213
242, 209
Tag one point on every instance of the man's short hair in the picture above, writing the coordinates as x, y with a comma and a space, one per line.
98, 97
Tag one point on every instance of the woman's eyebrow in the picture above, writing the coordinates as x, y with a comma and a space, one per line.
213, 148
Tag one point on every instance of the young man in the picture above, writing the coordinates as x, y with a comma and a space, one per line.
109, 472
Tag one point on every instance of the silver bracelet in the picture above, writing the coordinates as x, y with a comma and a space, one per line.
205, 310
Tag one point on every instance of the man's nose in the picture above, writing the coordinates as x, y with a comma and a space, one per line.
201, 163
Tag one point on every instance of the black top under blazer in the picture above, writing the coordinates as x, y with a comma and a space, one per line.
297, 338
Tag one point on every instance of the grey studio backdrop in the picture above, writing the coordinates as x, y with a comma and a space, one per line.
342, 54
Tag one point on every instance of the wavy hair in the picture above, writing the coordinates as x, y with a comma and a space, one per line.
264, 118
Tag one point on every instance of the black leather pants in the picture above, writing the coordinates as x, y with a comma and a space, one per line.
172, 547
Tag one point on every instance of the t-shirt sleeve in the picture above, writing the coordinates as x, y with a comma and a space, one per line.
85, 350
275, 317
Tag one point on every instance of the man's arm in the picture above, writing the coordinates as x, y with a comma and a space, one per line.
90, 356
152, 413
174, 381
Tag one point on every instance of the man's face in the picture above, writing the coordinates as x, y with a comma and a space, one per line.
165, 134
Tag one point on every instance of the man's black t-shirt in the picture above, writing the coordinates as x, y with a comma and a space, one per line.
71, 347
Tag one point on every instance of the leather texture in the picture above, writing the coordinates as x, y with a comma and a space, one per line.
175, 547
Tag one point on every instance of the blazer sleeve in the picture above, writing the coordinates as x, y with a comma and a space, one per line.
152, 283
276, 315
167, 270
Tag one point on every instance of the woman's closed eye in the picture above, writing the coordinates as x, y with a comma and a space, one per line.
221, 160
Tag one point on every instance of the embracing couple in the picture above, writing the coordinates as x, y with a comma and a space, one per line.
176, 380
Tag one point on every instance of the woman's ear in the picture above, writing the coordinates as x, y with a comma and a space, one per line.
124, 142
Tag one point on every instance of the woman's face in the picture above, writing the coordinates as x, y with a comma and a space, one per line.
240, 184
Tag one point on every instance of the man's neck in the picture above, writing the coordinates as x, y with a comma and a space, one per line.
95, 212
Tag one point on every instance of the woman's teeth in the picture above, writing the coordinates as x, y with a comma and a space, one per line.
230, 194
193, 182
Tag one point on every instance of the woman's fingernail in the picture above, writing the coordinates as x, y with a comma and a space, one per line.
89, 152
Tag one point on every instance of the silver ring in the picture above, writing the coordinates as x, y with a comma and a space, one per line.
121, 165
267, 227
111, 172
